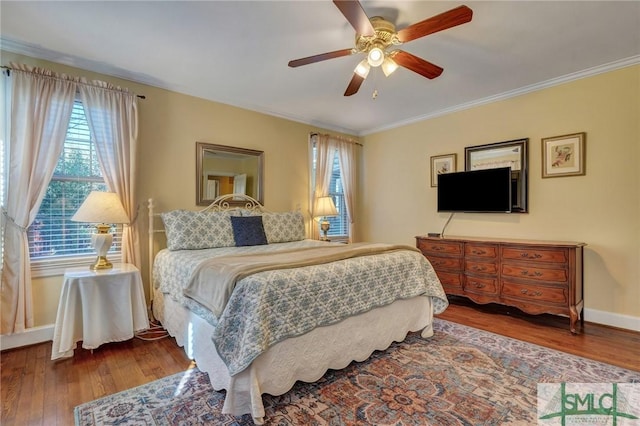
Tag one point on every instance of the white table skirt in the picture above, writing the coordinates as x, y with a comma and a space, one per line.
98, 307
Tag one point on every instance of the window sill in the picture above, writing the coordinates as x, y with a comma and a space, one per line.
56, 266
339, 239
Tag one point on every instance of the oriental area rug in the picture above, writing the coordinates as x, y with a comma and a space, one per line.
460, 376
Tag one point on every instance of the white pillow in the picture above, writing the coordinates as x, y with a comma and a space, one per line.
189, 230
283, 227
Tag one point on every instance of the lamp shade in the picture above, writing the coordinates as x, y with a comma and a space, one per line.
362, 69
325, 207
101, 207
389, 66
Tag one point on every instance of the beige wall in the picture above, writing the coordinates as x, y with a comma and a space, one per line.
601, 208
169, 126
396, 201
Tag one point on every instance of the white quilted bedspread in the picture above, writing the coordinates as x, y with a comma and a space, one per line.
270, 306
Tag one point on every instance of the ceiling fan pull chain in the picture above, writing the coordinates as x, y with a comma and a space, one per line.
374, 95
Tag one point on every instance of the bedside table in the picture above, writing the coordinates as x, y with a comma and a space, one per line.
98, 307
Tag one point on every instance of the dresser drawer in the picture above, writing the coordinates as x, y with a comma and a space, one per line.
437, 247
448, 279
535, 254
481, 284
481, 250
538, 293
480, 267
452, 263
534, 273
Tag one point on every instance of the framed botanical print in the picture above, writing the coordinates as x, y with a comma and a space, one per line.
563, 155
441, 164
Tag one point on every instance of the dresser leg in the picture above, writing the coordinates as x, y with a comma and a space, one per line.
574, 316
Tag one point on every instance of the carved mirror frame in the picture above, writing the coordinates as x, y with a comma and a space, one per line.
233, 154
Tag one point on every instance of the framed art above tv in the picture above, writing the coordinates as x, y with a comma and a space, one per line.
512, 154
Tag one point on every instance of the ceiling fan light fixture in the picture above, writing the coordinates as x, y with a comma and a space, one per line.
375, 57
375, 38
363, 69
389, 66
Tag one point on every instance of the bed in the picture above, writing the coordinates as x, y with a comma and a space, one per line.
258, 306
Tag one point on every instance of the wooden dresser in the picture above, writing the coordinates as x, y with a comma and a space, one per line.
534, 276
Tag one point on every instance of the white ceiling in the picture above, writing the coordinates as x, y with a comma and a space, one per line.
236, 52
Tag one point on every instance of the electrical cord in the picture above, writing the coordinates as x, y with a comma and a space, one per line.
155, 331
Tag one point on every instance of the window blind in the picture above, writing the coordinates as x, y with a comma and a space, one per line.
52, 233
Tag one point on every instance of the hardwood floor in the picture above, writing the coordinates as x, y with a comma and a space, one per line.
38, 391
607, 344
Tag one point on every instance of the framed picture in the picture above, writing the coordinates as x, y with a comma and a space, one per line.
441, 164
564, 155
504, 154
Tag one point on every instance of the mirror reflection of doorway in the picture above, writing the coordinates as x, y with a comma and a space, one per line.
213, 189
221, 183
240, 184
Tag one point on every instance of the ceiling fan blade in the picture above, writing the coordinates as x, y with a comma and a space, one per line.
354, 84
451, 18
355, 14
320, 57
417, 65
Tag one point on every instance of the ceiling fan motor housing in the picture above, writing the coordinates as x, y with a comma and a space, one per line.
385, 36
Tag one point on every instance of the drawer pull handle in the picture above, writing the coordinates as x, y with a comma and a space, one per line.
479, 268
437, 248
531, 293
531, 256
477, 285
437, 263
531, 274
478, 252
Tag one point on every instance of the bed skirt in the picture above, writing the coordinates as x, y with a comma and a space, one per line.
306, 357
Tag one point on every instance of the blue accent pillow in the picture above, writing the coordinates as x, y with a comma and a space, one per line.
248, 231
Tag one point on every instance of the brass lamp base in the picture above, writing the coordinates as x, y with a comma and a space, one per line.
325, 226
101, 263
101, 242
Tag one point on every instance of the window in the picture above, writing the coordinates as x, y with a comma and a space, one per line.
339, 225
52, 235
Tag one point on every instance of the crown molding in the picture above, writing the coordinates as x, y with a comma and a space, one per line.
102, 68
611, 66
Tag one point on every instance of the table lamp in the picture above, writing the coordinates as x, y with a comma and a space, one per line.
103, 209
324, 208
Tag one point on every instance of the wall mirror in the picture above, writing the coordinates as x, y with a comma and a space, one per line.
504, 154
222, 170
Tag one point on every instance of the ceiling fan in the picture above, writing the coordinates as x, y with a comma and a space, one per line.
375, 37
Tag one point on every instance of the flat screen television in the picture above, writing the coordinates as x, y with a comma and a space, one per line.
481, 191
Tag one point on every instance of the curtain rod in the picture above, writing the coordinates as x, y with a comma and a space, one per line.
338, 137
9, 69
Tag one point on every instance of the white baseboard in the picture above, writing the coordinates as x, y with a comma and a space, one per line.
613, 320
45, 333
29, 337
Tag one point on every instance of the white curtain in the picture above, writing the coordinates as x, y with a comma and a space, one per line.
41, 106
112, 114
40, 110
326, 148
348, 157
